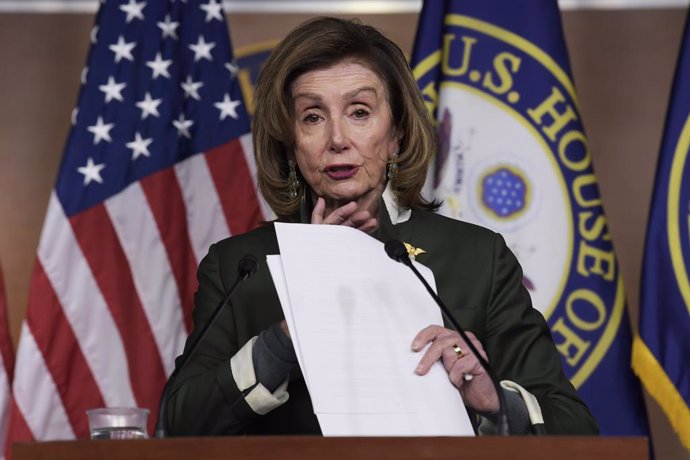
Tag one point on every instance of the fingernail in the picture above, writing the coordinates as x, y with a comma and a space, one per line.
419, 370
415, 346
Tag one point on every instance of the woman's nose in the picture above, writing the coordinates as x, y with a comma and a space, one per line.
339, 140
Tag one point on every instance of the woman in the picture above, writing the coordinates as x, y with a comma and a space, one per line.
342, 137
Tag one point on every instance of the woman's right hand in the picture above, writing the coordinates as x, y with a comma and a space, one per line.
345, 215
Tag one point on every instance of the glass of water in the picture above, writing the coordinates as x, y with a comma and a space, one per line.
118, 423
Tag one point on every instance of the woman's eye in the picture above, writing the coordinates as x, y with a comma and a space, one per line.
360, 113
311, 118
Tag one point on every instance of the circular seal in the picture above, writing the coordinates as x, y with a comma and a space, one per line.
539, 221
514, 158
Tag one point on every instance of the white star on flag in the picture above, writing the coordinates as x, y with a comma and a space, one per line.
183, 126
112, 90
139, 146
160, 66
213, 10
191, 88
232, 68
122, 49
168, 27
93, 36
84, 73
133, 10
73, 117
227, 107
202, 49
101, 131
149, 106
91, 172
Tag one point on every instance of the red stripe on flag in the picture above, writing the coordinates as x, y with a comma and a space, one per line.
106, 258
235, 187
167, 205
6, 348
61, 352
18, 430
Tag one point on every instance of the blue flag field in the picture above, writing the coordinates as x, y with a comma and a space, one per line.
660, 353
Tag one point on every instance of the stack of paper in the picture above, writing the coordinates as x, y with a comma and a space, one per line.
352, 314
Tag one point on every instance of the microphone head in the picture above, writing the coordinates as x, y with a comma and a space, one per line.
247, 266
396, 250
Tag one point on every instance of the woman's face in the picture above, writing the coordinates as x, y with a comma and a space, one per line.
344, 132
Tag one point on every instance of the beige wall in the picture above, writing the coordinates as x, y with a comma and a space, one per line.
622, 61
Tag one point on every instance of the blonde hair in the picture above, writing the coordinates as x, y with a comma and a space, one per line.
320, 43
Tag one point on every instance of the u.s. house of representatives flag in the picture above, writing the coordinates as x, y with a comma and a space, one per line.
514, 157
157, 167
661, 354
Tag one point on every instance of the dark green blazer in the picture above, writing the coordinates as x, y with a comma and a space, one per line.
476, 275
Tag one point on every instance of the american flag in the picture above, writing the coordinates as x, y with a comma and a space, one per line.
158, 165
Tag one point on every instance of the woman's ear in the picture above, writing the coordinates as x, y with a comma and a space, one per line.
394, 146
290, 155
291, 158
398, 134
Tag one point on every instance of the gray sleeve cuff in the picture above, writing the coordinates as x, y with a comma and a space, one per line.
259, 399
273, 357
518, 416
521, 404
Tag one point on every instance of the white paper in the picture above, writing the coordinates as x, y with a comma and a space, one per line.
352, 314
275, 265
450, 423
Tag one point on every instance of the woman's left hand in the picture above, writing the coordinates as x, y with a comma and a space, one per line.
462, 366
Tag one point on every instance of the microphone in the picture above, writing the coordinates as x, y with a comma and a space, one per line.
245, 269
396, 250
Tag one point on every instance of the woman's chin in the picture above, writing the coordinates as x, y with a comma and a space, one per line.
345, 192
342, 194
343, 198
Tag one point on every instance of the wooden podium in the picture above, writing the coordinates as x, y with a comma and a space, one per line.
318, 448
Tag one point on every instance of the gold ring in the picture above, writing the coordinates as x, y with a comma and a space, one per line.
458, 351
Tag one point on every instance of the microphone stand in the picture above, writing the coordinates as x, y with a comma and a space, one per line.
397, 251
246, 268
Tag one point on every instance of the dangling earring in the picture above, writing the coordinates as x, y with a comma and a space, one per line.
393, 166
293, 182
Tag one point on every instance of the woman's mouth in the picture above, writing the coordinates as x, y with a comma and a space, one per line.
340, 172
